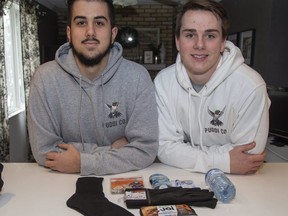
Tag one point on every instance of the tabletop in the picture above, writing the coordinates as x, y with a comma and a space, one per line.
33, 190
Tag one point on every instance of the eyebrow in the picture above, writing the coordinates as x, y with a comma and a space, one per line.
83, 17
206, 31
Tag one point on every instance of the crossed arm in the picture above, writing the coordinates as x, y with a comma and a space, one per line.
68, 160
242, 162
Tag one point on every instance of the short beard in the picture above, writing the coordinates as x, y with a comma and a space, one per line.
90, 62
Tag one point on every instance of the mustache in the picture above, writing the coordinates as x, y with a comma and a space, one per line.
91, 39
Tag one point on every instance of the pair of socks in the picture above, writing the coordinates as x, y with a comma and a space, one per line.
89, 199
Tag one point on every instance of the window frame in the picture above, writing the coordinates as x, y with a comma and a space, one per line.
13, 60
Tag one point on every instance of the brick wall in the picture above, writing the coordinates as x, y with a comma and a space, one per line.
149, 16
62, 24
139, 16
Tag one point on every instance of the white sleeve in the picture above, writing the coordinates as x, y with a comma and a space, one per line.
252, 123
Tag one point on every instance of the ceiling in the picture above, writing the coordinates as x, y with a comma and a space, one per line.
53, 4
60, 4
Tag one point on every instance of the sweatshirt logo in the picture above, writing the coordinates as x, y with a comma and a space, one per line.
216, 115
113, 110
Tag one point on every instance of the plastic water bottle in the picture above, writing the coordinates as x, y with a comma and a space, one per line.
159, 181
224, 190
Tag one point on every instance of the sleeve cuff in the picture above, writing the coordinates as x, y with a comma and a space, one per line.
222, 161
88, 165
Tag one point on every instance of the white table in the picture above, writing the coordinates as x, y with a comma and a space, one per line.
33, 190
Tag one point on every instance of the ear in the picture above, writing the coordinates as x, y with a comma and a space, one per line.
114, 33
223, 45
68, 32
177, 43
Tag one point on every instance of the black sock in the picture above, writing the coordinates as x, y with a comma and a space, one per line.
90, 200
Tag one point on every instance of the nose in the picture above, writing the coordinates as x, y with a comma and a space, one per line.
90, 30
199, 43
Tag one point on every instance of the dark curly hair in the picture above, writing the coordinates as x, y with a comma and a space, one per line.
111, 10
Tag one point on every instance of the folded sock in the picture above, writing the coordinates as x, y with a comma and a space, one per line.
90, 200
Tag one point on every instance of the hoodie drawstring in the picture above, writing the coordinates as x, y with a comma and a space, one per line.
189, 117
198, 119
103, 107
200, 124
93, 111
79, 114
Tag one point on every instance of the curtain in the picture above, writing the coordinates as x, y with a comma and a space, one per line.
31, 60
30, 46
4, 126
30, 42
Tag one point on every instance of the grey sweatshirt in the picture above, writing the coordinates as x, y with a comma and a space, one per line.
65, 107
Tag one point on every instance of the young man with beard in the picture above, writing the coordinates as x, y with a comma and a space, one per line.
90, 110
213, 108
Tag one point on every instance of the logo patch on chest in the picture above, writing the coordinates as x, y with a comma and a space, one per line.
114, 113
216, 115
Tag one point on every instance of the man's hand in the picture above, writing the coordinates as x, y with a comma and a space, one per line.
242, 162
67, 161
119, 143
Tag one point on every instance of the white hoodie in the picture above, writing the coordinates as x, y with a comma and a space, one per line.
197, 130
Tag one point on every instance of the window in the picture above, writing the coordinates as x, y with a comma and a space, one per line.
13, 60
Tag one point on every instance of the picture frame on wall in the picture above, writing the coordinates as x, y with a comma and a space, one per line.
233, 38
246, 45
147, 36
148, 57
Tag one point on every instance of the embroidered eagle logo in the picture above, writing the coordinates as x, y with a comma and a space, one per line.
216, 115
113, 110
